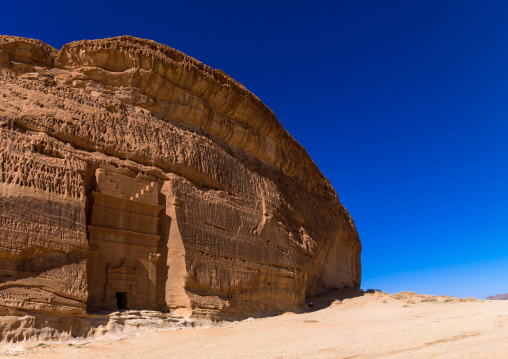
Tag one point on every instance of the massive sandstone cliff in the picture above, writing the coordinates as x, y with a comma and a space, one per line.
134, 176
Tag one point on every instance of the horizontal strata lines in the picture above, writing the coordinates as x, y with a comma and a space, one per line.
266, 138
287, 269
227, 98
180, 169
20, 284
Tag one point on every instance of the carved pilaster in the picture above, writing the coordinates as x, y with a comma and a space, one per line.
152, 275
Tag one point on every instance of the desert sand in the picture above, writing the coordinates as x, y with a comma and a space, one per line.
371, 325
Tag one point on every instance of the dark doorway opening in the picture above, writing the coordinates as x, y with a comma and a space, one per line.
121, 300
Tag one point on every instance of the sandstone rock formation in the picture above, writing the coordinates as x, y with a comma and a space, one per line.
134, 176
498, 297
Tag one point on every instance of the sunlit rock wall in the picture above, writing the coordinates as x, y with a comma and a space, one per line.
245, 223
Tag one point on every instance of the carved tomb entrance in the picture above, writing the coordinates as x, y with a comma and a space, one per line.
123, 236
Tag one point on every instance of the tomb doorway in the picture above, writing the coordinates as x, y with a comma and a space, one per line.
121, 300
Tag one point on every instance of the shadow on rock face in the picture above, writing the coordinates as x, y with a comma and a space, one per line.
327, 299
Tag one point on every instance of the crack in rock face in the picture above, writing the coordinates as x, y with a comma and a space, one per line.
134, 177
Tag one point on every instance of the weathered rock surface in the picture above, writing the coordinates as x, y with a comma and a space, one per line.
498, 297
135, 176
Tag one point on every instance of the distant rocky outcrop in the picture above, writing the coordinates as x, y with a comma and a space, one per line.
133, 176
498, 297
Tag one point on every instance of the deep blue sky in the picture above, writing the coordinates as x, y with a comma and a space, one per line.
402, 104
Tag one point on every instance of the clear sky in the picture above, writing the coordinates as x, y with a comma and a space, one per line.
402, 104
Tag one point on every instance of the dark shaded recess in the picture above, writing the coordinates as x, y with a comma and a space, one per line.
333, 297
90, 185
162, 248
121, 300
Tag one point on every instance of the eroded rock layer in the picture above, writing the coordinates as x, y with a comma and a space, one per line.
133, 176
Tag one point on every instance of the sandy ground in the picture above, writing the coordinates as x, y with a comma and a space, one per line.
373, 325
